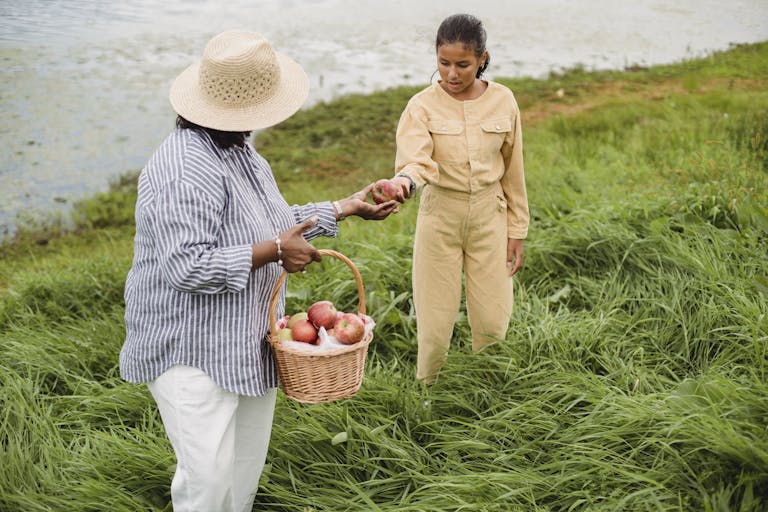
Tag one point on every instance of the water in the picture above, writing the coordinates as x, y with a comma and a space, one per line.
85, 82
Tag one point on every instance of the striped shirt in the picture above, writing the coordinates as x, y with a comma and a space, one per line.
191, 297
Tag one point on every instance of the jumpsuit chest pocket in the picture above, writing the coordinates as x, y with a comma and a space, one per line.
493, 133
448, 141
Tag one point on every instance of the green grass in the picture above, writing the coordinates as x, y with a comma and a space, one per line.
634, 376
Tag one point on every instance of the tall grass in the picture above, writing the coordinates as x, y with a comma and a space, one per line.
634, 376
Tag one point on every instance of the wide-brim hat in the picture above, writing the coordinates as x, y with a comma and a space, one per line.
240, 84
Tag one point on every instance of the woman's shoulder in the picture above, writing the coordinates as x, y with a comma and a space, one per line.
185, 155
183, 142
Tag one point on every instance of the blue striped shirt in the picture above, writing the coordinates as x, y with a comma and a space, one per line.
191, 297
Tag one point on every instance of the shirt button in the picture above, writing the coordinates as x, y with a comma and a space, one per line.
498, 127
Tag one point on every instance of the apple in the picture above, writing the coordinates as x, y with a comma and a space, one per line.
285, 334
349, 328
295, 318
383, 191
322, 314
304, 331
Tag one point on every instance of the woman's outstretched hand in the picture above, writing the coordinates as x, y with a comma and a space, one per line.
357, 205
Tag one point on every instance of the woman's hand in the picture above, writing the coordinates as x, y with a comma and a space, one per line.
514, 255
297, 253
357, 205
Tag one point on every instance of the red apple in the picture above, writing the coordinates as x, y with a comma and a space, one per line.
383, 191
304, 331
322, 314
302, 315
349, 328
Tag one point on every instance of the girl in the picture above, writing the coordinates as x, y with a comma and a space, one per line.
459, 142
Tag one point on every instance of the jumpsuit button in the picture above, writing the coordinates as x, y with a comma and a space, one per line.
498, 127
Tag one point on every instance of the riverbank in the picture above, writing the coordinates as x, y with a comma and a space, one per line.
634, 372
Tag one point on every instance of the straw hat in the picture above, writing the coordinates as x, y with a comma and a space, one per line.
241, 84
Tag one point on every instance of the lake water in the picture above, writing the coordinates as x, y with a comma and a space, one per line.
85, 82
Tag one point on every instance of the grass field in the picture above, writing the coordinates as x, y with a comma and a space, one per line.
634, 376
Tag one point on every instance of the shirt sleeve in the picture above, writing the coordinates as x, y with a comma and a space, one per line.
414, 148
513, 181
326, 225
190, 259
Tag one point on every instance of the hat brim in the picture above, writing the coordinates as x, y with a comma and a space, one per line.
290, 94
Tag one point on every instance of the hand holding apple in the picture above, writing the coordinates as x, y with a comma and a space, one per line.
385, 190
403, 184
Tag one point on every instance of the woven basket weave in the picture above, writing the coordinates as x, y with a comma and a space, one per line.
328, 375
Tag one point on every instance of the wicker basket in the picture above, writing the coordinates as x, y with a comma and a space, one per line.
328, 375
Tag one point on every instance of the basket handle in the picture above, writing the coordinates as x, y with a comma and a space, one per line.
276, 290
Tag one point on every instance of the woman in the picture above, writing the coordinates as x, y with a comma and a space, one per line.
213, 234
459, 141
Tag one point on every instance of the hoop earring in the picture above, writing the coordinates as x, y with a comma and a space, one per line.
431, 78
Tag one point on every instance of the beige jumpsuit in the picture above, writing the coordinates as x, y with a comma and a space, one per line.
466, 157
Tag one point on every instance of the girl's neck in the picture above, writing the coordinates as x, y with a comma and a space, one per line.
472, 92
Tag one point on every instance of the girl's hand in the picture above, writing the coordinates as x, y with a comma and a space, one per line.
404, 186
514, 255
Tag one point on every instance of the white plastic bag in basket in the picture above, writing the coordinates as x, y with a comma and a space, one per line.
326, 341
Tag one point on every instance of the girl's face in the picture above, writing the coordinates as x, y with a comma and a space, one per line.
458, 67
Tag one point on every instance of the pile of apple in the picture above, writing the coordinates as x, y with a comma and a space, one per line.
347, 328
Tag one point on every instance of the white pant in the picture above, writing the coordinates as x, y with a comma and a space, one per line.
220, 440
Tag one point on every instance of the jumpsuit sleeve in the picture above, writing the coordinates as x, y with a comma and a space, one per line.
413, 156
513, 180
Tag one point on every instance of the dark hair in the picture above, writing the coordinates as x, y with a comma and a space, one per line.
466, 29
222, 139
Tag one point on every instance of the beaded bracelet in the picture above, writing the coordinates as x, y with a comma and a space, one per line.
279, 252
